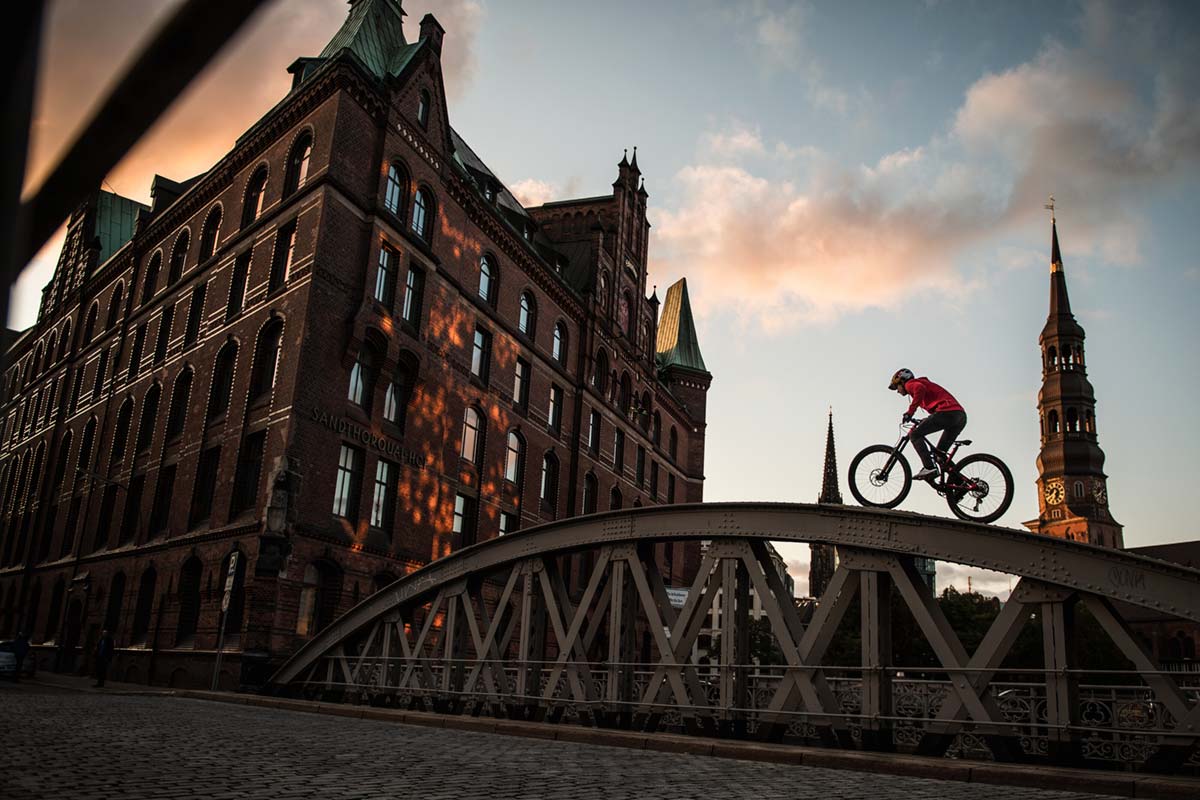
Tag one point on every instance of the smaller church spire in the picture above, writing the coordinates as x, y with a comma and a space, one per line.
624, 158
829, 481
633, 164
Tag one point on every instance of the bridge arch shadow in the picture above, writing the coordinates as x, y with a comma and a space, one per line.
496, 630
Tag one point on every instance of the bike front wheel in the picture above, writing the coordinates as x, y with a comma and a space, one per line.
980, 489
880, 477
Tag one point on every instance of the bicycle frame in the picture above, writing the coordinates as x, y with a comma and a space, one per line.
945, 464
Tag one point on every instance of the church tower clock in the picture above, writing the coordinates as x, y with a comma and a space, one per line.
1072, 488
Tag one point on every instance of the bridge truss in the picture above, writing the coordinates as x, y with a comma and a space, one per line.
495, 629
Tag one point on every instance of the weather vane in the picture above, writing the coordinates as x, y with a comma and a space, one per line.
1050, 207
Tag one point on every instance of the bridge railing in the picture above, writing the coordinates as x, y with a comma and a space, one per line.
503, 632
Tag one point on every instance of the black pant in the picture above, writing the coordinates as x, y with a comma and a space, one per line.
101, 671
950, 423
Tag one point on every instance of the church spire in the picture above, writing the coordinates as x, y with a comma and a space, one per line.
1060, 303
374, 32
829, 481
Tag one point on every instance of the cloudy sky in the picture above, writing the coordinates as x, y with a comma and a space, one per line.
849, 187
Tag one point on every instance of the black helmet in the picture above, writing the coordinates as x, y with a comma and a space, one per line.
901, 377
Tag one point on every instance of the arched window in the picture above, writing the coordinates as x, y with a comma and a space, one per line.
150, 283
590, 490
644, 411
319, 596
488, 280
64, 344
256, 191
1052, 420
514, 458
1052, 358
266, 358
1072, 420
145, 434
558, 348
399, 393
222, 381
116, 599
624, 320
1089, 422
144, 606
600, 376
114, 306
422, 214
60, 464
423, 109
89, 324
602, 290
395, 189
1079, 489
178, 257
297, 164
614, 499
656, 429
83, 464
673, 443
121, 430
363, 376
548, 491
50, 344
625, 398
527, 317
189, 601
472, 436
209, 233
180, 395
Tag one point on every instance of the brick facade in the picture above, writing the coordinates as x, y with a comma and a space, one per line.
92, 447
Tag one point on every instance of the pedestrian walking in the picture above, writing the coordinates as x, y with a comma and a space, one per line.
104, 655
20, 650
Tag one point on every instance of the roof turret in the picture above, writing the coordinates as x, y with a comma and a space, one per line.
678, 344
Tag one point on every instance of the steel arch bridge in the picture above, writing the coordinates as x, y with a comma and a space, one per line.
494, 629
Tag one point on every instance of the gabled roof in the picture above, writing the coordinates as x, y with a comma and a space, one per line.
374, 33
678, 344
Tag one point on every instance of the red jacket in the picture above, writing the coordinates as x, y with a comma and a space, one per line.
929, 396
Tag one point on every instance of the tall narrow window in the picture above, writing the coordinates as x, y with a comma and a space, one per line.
248, 473
423, 109
619, 451
178, 257
363, 376
526, 318
558, 348
487, 280
641, 466
670, 487
614, 499
590, 489
481, 354
135, 351
472, 436
673, 443
414, 289
189, 601
209, 234
179, 405
121, 430
297, 166
256, 191
237, 284
150, 282
393, 193
594, 432
509, 522
131, 521
600, 376
399, 392
383, 505
108, 502
114, 310
654, 479
266, 359
89, 324
160, 511
164, 334
144, 606
385, 277
514, 458
521, 375
195, 315
554, 415
548, 492
349, 483
206, 485
84, 464
281, 258
101, 369
464, 519
145, 434
422, 214
222, 381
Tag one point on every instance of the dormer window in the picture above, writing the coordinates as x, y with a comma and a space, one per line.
423, 109
527, 232
489, 192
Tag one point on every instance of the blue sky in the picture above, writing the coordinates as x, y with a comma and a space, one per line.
849, 187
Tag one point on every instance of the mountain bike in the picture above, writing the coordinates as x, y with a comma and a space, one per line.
978, 488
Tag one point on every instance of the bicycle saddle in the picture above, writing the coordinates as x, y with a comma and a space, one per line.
963, 442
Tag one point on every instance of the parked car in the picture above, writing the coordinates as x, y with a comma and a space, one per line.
8, 661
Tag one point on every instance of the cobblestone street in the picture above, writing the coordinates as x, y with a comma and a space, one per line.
65, 744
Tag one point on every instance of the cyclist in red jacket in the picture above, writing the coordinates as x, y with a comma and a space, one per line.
945, 415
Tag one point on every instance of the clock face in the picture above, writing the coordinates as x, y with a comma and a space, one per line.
1054, 492
1099, 492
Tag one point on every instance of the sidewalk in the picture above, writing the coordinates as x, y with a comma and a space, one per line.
83, 683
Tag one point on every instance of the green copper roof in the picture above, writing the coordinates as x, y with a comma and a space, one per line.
678, 345
115, 217
374, 32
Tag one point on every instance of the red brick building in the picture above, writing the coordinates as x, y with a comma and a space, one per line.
342, 352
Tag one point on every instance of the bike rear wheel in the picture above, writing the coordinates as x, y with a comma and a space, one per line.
980, 488
880, 477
